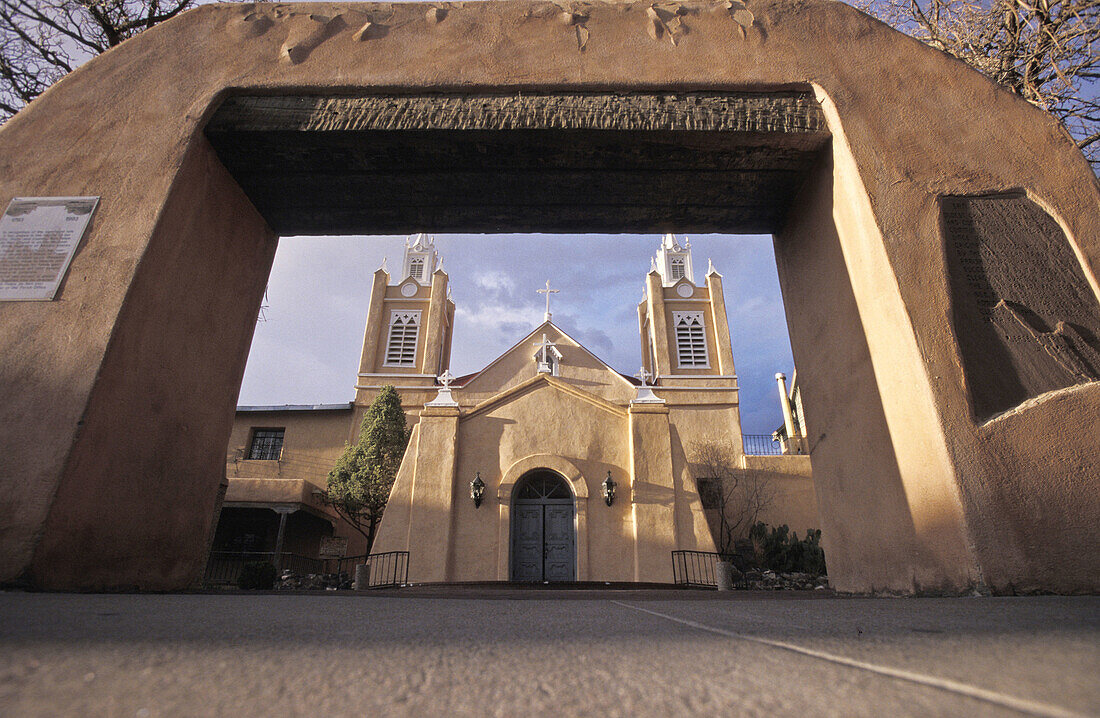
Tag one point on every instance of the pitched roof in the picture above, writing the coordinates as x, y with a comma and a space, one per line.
465, 379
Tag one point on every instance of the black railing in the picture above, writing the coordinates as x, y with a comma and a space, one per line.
387, 570
224, 567
762, 445
695, 568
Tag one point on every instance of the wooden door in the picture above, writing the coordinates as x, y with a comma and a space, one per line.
544, 545
527, 557
558, 540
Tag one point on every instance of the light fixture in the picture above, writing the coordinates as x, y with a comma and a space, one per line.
477, 490
608, 489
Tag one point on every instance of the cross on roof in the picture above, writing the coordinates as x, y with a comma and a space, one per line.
548, 291
543, 346
446, 378
644, 375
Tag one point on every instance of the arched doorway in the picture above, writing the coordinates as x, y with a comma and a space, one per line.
544, 539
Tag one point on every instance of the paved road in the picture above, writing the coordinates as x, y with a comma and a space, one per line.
617, 653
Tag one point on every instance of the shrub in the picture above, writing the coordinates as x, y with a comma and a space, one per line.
257, 575
780, 549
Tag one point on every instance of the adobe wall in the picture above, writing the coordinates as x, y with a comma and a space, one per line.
313, 441
550, 423
791, 480
119, 395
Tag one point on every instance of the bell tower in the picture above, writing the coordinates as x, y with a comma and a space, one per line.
407, 340
683, 328
420, 259
673, 261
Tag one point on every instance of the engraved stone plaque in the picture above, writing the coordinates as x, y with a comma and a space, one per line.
1026, 318
333, 547
38, 236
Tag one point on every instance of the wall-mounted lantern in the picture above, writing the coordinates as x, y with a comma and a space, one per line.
608, 489
477, 490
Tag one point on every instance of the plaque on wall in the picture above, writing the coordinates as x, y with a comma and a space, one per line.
333, 547
38, 236
1026, 318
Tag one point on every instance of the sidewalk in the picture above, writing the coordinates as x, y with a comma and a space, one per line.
478, 651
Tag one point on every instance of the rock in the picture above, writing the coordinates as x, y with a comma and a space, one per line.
313, 582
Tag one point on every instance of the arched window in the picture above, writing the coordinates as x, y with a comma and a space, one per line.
416, 268
542, 485
676, 268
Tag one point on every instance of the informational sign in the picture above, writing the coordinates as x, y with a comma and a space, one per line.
333, 547
38, 236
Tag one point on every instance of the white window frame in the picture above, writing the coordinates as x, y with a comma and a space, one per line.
422, 262
693, 362
675, 263
405, 317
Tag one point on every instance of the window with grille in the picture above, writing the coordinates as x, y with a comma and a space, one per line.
677, 269
691, 342
401, 347
267, 444
416, 268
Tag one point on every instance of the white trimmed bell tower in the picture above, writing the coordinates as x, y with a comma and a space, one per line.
674, 261
407, 339
683, 326
420, 259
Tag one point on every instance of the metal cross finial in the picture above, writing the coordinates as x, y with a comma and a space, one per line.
548, 291
544, 355
446, 378
543, 346
644, 375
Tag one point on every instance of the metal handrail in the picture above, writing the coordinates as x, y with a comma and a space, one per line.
762, 445
696, 568
224, 567
387, 569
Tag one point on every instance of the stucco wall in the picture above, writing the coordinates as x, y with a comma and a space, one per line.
312, 442
544, 421
124, 498
517, 365
791, 480
127, 415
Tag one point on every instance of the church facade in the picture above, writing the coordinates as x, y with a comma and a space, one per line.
547, 464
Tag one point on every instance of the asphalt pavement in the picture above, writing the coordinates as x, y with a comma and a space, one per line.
486, 652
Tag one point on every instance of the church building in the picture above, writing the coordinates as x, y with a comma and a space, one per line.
547, 464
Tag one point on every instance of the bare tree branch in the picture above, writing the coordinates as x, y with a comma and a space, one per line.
1048, 52
738, 496
42, 40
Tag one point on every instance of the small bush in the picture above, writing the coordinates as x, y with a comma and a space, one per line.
257, 575
779, 549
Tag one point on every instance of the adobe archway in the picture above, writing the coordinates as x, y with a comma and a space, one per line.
118, 395
505, 491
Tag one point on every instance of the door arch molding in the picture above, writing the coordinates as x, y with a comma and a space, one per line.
543, 534
572, 475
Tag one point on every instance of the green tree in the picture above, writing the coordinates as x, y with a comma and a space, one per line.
359, 485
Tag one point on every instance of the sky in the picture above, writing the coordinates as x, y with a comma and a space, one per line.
306, 350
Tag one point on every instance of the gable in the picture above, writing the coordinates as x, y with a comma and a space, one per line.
577, 366
544, 382
544, 416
